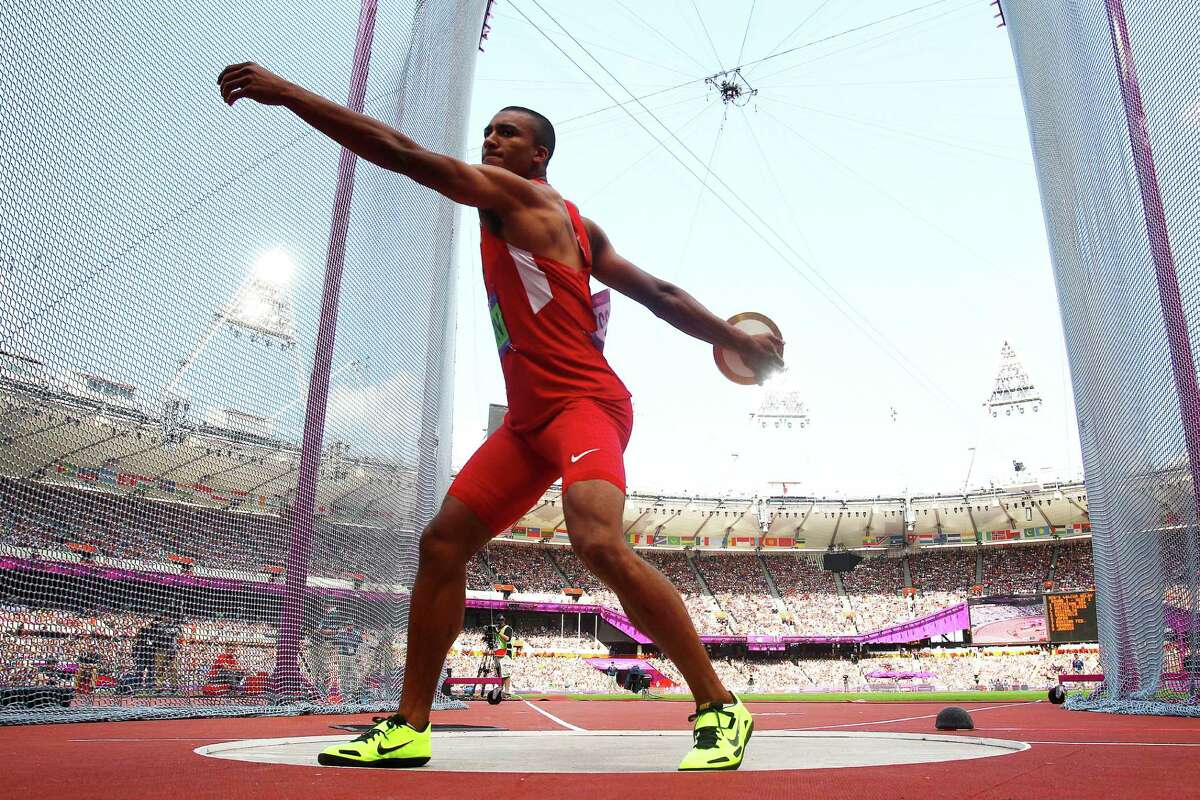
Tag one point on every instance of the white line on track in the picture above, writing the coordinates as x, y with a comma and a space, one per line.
553, 718
158, 739
1123, 744
910, 719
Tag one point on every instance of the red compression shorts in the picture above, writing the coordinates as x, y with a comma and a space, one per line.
510, 471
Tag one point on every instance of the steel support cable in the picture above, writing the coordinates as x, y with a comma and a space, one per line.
916, 214
772, 174
623, 118
840, 34
635, 98
707, 36
609, 48
794, 30
910, 134
1009, 79
659, 33
642, 97
700, 195
654, 149
555, 84
746, 33
844, 308
979, 433
873, 40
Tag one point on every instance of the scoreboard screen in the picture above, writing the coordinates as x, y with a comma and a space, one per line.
1071, 616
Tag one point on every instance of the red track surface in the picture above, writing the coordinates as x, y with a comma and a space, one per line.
1074, 755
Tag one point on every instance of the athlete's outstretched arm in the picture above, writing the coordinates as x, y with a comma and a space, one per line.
479, 185
668, 302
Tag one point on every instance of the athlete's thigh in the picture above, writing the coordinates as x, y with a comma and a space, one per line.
587, 441
502, 480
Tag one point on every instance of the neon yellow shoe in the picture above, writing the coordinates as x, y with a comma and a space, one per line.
391, 743
721, 734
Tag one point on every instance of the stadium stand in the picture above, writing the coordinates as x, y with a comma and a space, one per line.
110, 643
1015, 569
810, 595
740, 587
874, 590
1074, 567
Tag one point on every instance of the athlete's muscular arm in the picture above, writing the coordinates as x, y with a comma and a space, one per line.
670, 303
478, 185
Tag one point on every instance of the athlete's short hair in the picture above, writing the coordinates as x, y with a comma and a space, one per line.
543, 130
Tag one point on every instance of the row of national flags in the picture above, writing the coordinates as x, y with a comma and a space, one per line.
532, 533
790, 542
956, 537
106, 476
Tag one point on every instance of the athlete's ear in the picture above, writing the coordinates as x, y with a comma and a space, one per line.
541, 154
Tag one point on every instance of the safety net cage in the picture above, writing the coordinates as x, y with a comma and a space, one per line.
225, 355
1112, 95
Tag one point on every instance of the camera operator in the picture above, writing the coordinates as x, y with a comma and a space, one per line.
346, 641
321, 643
504, 636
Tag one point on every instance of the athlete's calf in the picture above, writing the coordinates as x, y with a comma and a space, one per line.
593, 512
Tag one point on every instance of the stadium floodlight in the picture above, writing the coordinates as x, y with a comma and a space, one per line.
262, 308
275, 267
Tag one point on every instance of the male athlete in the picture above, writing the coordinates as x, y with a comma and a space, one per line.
569, 415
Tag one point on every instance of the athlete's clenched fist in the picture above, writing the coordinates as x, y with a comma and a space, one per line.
254, 82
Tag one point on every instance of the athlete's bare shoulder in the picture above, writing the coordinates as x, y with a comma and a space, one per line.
536, 199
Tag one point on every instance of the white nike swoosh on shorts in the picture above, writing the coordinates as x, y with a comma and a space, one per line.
575, 458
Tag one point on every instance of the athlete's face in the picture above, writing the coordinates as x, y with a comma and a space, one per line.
508, 142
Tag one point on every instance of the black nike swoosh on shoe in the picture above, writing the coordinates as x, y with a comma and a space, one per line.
383, 751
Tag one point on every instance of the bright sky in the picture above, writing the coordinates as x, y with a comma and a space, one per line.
895, 233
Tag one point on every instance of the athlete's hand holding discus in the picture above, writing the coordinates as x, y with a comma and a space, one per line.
755, 352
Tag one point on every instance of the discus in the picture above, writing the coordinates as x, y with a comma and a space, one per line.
729, 362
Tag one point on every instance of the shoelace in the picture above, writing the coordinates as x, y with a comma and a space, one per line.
378, 730
709, 736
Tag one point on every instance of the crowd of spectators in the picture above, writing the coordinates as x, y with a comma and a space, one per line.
945, 572
1073, 570
954, 668
98, 651
44, 517
129, 652
875, 592
703, 610
52, 520
810, 594
1015, 569
963, 668
542, 674
55, 522
478, 577
527, 567
534, 640
580, 577
740, 586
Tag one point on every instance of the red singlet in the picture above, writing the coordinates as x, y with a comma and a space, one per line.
569, 414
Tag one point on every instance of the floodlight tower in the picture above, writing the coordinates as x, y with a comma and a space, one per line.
1016, 449
261, 309
774, 427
